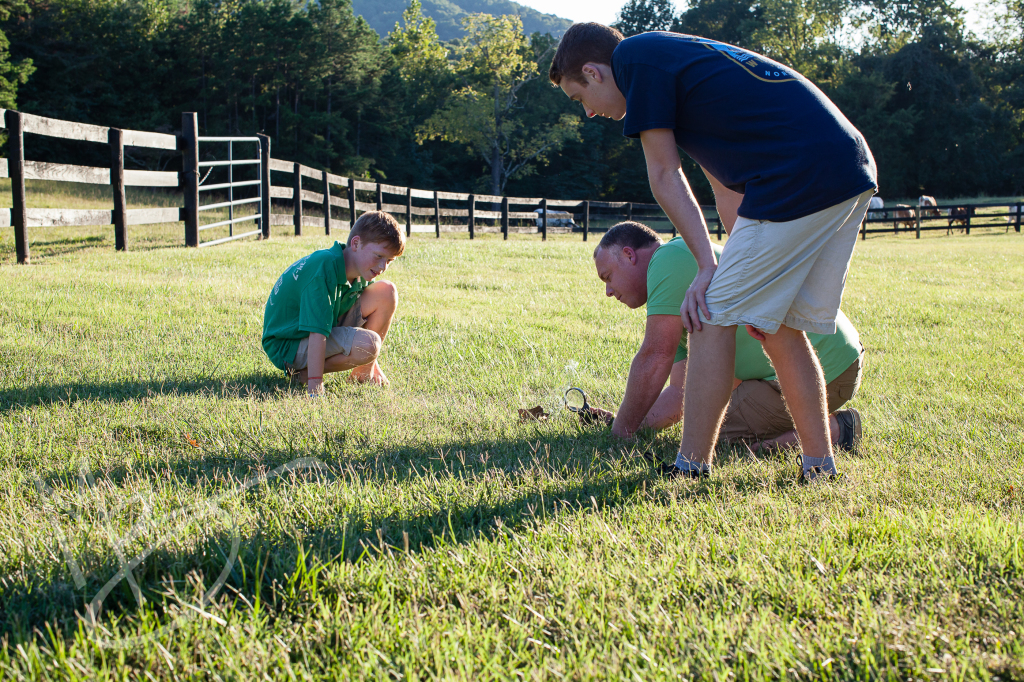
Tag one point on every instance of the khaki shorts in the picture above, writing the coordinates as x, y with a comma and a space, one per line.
757, 410
339, 342
788, 273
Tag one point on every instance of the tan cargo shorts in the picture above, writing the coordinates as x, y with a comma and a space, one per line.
757, 410
787, 273
343, 335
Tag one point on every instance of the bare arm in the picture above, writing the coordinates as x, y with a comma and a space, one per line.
726, 201
647, 374
315, 352
675, 198
669, 407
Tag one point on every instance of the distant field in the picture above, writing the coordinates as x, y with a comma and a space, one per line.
441, 538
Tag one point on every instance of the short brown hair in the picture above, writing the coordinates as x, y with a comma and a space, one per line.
583, 44
628, 233
379, 227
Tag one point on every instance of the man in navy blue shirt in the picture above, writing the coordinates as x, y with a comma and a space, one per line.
792, 179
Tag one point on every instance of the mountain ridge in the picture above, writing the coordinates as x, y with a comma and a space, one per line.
383, 14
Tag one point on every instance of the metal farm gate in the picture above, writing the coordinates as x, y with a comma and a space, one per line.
196, 181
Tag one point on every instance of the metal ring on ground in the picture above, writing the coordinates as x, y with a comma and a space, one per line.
586, 405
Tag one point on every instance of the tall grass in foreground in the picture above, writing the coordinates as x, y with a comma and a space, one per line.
443, 538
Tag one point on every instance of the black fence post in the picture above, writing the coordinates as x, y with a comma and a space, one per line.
1017, 226
351, 203
719, 221
544, 219
115, 138
190, 175
16, 171
437, 216
327, 205
920, 210
380, 198
864, 230
264, 184
472, 211
970, 212
504, 218
297, 198
586, 219
408, 211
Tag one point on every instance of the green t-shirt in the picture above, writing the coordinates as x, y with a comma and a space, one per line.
669, 275
309, 297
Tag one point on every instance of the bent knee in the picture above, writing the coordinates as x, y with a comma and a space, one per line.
366, 346
384, 292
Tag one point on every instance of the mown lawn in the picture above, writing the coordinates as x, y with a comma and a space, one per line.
423, 531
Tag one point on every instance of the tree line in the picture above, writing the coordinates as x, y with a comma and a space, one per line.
942, 109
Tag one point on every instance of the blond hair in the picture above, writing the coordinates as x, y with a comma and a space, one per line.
379, 227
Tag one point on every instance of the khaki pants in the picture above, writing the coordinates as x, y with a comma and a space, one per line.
790, 273
344, 336
757, 410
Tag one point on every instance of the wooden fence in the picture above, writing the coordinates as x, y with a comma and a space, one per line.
20, 217
947, 217
422, 210
437, 212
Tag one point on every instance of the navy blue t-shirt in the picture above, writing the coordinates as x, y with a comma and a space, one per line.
758, 127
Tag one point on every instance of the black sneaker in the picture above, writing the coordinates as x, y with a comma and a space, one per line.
849, 429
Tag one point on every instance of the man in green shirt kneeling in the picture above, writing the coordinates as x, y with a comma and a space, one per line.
638, 269
328, 312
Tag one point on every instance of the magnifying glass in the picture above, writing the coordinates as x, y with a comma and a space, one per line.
576, 401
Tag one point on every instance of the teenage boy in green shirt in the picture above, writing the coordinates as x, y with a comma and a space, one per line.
329, 313
638, 269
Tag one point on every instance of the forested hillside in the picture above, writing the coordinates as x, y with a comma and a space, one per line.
942, 110
448, 14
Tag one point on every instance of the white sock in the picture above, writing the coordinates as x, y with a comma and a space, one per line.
827, 464
684, 464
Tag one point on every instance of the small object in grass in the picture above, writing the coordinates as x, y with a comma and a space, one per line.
533, 414
576, 401
190, 440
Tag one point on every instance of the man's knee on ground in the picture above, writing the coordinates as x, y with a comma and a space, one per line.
366, 346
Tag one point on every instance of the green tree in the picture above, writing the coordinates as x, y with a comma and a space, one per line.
892, 24
485, 114
415, 45
640, 16
806, 35
12, 74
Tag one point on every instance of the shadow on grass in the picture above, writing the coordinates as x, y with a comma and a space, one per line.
254, 384
518, 483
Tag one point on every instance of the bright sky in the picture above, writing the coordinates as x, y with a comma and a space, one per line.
604, 11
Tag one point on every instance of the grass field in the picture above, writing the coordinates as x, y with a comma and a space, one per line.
424, 532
